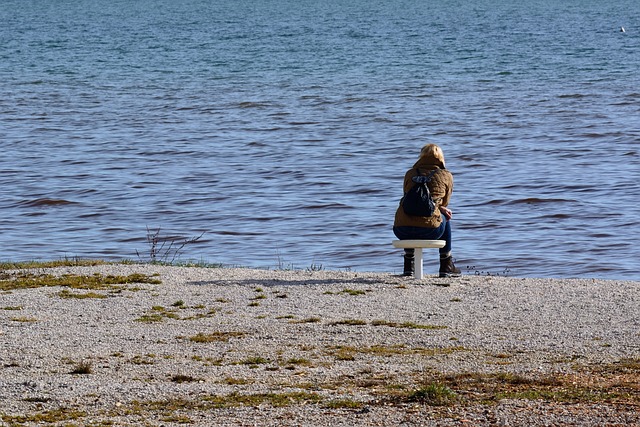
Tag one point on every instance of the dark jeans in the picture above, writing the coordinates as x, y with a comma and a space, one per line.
441, 233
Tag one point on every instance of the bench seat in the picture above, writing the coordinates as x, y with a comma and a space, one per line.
418, 246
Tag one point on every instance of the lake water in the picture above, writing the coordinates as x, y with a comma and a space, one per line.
282, 129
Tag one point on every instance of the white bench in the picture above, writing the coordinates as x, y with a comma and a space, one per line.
417, 246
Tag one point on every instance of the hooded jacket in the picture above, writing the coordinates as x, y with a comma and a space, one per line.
440, 186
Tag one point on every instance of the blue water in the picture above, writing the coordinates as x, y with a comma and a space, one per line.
281, 130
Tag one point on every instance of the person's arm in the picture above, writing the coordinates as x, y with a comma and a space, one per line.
445, 200
446, 212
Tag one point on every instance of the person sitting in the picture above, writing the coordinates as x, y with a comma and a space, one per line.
436, 226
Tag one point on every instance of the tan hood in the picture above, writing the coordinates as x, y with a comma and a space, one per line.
429, 162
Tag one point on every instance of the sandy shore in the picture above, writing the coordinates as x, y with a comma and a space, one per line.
240, 347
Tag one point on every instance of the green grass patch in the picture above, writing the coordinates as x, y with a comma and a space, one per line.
82, 368
349, 322
597, 385
343, 404
307, 320
190, 263
208, 361
408, 325
157, 314
147, 359
93, 282
24, 319
59, 415
622, 366
179, 378
298, 361
232, 400
150, 318
65, 262
237, 381
348, 291
434, 394
254, 360
273, 399
349, 352
344, 353
67, 294
177, 419
569, 395
217, 336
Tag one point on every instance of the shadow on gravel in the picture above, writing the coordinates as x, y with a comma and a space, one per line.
284, 282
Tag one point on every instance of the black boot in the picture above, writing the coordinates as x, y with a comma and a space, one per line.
448, 269
409, 262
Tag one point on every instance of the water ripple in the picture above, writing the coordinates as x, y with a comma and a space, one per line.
267, 128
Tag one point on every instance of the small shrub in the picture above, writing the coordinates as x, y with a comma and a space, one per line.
344, 404
307, 320
237, 381
352, 291
407, 325
179, 378
66, 294
315, 267
166, 249
215, 336
299, 361
256, 360
434, 394
24, 319
143, 360
345, 353
82, 368
150, 318
349, 322
45, 418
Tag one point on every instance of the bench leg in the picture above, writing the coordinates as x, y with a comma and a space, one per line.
418, 263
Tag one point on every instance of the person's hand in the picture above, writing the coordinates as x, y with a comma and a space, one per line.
446, 212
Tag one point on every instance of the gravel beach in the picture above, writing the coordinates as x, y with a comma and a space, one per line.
131, 345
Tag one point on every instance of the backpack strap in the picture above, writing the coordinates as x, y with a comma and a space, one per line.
429, 175
423, 179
